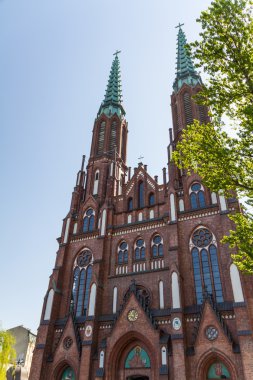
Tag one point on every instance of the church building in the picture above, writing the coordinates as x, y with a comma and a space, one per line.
142, 288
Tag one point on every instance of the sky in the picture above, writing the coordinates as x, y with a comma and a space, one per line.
54, 66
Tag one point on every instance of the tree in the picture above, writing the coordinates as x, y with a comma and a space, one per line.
7, 352
224, 159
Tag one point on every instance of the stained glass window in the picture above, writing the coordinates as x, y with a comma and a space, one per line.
89, 220
151, 199
157, 246
141, 195
81, 284
205, 266
197, 196
139, 253
130, 204
123, 253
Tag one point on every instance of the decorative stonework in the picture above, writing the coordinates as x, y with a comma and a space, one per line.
132, 315
88, 331
211, 333
67, 343
176, 324
84, 258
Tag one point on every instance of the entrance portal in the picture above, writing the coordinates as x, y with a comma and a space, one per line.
137, 377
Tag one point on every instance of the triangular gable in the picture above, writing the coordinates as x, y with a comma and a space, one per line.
69, 343
141, 173
90, 202
212, 329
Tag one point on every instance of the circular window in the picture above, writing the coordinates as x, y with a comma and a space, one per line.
195, 187
84, 258
202, 237
67, 343
211, 333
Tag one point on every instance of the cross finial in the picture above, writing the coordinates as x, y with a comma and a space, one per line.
179, 25
140, 158
117, 52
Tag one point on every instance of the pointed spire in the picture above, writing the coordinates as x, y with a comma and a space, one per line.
112, 102
186, 72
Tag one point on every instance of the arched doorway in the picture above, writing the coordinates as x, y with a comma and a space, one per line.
133, 358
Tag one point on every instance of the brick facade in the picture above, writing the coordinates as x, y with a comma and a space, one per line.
142, 305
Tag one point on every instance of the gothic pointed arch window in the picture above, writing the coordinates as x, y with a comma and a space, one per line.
113, 137
123, 253
197, 196
130, 204
139, 250
157, 246
141, 194
205, 264
89, 220
188, 108
82, 275
151, 199
101, 138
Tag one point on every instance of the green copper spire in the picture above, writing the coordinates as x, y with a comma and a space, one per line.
112, 102
186, 72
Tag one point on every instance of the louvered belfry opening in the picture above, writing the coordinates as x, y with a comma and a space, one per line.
188, 108
203, 115
113, 137
101, 138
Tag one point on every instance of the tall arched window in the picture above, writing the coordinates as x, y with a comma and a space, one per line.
157, 246
197, 196
151, 199
141, 195
81, 283
205, 265
130, 204
113, 137
88, 220
101, 138
96, 181
188, 108
49, 304
123, 253
139, 251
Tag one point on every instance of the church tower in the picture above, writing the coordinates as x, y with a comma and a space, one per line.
142, 288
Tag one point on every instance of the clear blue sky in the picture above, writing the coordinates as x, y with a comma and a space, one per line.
55, 60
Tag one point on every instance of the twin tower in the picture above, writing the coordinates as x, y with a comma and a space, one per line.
142, 288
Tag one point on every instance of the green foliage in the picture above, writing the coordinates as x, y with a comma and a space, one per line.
7, 352
225, 160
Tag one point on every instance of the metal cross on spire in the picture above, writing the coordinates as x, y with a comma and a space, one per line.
117, 52
179, 25
140, 158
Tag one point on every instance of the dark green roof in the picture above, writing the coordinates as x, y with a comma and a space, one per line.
112, 102
185, 71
